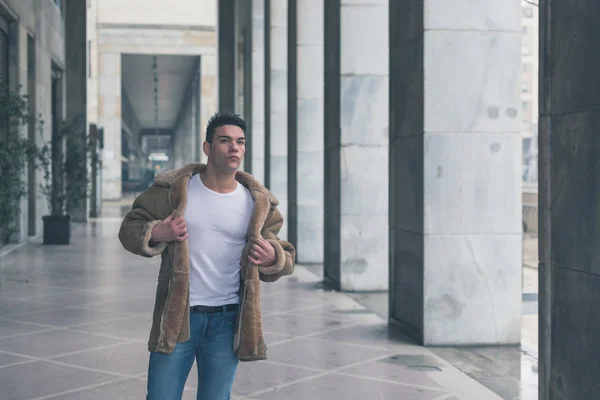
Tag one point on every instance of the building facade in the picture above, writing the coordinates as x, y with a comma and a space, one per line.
41, 56
152, 85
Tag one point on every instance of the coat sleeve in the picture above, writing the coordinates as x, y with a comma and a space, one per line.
136, 229
286, 253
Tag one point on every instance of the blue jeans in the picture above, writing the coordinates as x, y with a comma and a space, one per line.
211, 344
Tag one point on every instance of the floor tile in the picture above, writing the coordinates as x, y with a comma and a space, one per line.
128, 359
27, 381
142, 307
13, 307
383, 369
257, 376
321, 354
77, 298
270, 304
130, 389
65, 316
299, 326
6, 359
9, 328
132, 328
192, 379
47, 344
335, 387
368, 335
95, 280
25, 291
271, 338
326, 311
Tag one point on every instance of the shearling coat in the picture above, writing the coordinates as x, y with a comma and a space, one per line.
171, 319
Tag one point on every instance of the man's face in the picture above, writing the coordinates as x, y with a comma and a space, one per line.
227, 149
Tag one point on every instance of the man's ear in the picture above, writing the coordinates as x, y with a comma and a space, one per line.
206, 148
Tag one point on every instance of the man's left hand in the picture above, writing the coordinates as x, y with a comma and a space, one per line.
262, 253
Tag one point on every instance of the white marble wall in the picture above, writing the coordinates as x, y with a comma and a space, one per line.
114, 40
472, 166
310, 130
148, 12
109, 118
278, 133
209, 93
258, 89
364, 145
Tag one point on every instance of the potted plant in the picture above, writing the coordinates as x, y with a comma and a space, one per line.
66, 183
15, 152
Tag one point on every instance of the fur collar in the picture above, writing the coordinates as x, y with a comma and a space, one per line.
168, 178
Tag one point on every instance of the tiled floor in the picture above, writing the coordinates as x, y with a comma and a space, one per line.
74, 323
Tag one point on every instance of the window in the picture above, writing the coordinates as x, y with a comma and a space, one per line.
525, 105
527, 13
525, 30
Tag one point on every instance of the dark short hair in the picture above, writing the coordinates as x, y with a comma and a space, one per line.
222, 119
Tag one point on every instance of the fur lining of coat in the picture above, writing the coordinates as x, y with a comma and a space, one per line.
172, 308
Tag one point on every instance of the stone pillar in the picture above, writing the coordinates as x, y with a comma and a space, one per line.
278, 140
306, 129
227, 47
197, 110
109, 119
209, 93
257, 141
455, 171
76, 84
356, 144
568, 200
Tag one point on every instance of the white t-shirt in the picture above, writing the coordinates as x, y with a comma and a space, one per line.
217, 226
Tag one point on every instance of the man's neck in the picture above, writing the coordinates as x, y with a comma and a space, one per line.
218, 182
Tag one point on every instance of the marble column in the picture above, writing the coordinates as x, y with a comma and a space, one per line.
257, 141
197, 111
455, 171
278, 140
76, 84
569, 184
109, 119
306, 113
209, 93
356, 144
227, 48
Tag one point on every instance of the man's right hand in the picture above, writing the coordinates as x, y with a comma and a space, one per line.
171, 229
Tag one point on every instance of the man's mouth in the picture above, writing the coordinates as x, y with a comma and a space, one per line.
234, 158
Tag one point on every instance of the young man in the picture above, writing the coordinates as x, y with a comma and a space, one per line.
216, 231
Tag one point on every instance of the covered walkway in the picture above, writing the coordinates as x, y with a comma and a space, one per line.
74, 323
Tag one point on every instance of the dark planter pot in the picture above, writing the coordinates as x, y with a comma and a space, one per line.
57, 230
